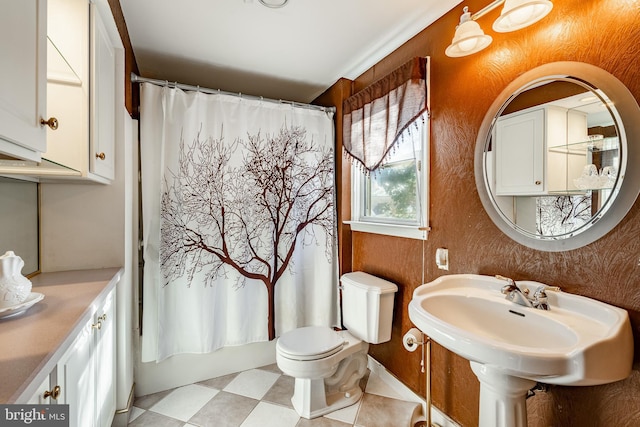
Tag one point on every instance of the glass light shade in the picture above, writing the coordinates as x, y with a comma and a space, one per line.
517, 14
468, 39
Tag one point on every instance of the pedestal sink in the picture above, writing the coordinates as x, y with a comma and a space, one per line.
511, 347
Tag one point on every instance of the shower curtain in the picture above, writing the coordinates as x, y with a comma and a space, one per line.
238, 220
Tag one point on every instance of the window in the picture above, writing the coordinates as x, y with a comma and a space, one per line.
393, 199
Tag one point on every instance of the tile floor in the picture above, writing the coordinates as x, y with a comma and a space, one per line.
261, 398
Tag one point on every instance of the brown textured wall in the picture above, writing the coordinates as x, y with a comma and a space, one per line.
603, 33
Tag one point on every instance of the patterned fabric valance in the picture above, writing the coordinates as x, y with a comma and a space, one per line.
375, 117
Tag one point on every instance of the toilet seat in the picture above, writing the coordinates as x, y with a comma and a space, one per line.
309, 343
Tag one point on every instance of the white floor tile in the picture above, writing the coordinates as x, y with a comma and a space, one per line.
184, 402
346, 415
375, 385
254, 383
269, 415
135, 413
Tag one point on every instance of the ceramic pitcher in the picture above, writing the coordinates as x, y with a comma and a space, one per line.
14, 287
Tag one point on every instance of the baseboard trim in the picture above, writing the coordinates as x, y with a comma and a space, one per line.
129, 401
437, 416
121, 417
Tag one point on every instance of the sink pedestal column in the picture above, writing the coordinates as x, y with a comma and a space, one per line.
502, 397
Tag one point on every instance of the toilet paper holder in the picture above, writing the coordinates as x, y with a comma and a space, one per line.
413, 338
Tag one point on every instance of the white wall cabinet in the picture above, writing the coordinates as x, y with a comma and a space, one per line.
23, 47
84, 39
67, 65
103, 105
86, 371
68, 82
531, 151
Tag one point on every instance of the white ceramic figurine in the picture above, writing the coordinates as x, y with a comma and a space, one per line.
14, 287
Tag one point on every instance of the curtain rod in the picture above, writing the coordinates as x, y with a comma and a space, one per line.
137, 79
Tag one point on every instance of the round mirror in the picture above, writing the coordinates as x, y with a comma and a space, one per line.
555, 154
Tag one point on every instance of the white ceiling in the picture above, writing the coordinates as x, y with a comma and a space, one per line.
293, 53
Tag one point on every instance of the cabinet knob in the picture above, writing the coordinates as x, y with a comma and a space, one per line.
52, 123
101, 156
103, 317
54, 394
538, 182
97, 325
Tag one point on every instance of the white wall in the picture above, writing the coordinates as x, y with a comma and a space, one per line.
87, 226
19, 221
185, 369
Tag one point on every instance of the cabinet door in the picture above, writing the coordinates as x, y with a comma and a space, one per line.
68, 82
519, 142
48, 392
23, 48
76, 372
105, 359
103, 91
38, 397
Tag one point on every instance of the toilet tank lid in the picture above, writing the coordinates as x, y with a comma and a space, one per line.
363, 280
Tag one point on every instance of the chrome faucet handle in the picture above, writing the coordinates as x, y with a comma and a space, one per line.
509, 287
540, 299
540, 292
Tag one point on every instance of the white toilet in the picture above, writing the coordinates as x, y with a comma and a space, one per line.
328, 365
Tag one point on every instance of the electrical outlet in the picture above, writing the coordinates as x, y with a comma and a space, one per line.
442, 258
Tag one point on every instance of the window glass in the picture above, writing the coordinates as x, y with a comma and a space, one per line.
394, 195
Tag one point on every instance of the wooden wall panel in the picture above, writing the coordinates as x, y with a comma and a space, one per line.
131, 93
603, 33
333, 97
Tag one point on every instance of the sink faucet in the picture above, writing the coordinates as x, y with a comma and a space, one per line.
540, 299
513, 293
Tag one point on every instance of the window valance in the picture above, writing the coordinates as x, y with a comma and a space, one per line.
375, 117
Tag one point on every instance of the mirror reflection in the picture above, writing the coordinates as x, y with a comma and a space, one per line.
552, 158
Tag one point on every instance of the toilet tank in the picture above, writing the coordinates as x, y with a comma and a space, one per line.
367, 306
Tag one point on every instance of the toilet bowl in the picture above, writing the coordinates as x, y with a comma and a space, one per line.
326, 371
327, 364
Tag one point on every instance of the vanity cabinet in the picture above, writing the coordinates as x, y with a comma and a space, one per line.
23, 46
531, 155
47, 392
70, 356
87, 370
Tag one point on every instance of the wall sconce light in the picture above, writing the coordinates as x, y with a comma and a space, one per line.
516, 14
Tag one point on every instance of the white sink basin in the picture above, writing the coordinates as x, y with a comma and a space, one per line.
578, 341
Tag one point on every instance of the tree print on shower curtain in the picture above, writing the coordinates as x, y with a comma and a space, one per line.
247, 215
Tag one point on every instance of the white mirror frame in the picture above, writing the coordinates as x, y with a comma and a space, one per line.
628, 118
